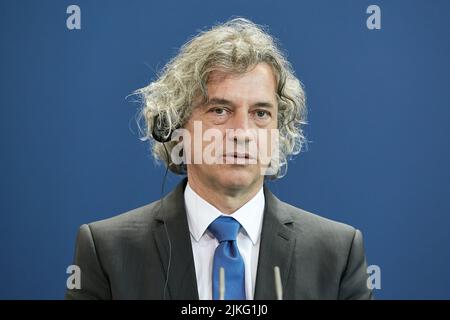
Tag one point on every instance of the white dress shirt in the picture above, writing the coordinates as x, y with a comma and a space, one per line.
200, 214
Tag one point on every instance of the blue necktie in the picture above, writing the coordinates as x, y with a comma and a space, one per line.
227, 255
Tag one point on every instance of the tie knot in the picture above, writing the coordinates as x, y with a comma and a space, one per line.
225, 228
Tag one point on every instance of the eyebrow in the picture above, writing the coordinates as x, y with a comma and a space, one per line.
220, 101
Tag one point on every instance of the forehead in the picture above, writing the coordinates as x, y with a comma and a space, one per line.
259, 83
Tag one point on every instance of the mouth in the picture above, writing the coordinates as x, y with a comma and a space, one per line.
238, 155
238, 158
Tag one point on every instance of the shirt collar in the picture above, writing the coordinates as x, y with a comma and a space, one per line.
201, 213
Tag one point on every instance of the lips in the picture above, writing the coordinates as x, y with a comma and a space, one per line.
238, 155
239, 158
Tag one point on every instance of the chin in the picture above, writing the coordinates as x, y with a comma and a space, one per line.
236, 177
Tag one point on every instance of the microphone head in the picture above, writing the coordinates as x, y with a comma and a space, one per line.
221, 283
278, 285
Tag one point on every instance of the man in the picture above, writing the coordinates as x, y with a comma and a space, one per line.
221, 232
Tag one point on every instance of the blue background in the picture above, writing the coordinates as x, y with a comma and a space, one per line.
379, 113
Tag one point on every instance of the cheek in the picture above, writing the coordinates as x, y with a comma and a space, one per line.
268, 145
204, 141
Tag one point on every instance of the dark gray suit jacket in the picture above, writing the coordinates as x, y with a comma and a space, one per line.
127, 256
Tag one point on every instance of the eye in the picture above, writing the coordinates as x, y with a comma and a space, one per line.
219, 111
262, 114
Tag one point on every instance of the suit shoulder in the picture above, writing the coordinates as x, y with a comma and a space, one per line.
132, 220
319, 226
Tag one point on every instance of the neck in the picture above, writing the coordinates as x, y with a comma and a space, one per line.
226, 200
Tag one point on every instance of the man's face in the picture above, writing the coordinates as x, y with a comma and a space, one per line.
240, 107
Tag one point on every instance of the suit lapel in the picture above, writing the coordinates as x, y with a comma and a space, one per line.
276, 248
172, 221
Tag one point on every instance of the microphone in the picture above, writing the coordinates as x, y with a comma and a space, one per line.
221, 283
277, 277
278, 285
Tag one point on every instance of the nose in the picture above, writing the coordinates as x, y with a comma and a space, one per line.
239, 129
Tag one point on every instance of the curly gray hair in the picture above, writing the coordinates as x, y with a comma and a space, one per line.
234, 47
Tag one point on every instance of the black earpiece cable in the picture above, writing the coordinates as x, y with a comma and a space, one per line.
165, 225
